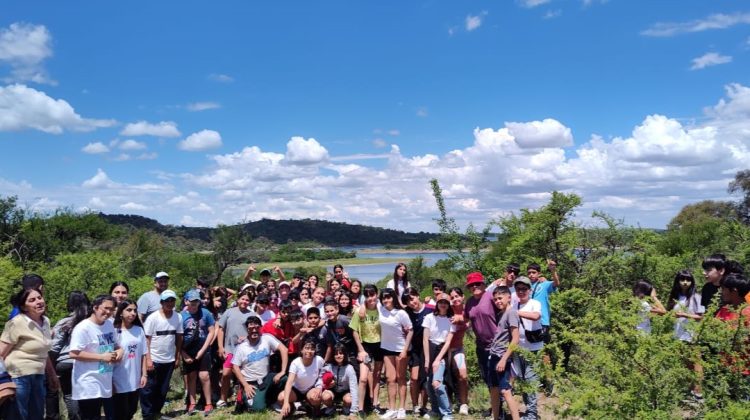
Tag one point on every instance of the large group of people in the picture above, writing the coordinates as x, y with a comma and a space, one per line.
304, 345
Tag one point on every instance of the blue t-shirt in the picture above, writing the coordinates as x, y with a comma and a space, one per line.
540, 291
195, 328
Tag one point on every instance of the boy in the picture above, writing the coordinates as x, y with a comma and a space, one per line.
198, 333
438, 288
500, 350
316, 331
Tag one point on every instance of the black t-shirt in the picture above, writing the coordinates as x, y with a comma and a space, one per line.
319, 335
416, 325
707, 294
340, 332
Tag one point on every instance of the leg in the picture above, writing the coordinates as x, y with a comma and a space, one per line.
512, 404
441, 396
529, 375
90, 409
226, 376
65, 370
190, 381
459, 364
52, 404
327, 398
496, 403
364, 376
391, 376
205, 379
347, 400
36, 400
414, 387
401, 366
375, 384
147, 395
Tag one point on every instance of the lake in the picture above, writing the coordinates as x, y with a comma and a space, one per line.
371, 273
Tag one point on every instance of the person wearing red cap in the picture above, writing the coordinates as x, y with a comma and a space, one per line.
480, 312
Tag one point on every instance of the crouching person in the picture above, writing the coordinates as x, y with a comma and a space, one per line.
250, 365
305, 382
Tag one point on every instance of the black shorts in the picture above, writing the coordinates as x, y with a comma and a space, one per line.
374, 350
301, 396
338, 396
389, 352
416, 358
202, 365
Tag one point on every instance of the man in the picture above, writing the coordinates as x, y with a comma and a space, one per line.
479, 311
284, 289
231, 328
281, 327
541, 289
198, 333
316, 331
714, 269
264, 276
250, 365
150, 302
530, 339
164, 342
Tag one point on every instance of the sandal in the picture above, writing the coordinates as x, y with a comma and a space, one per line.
208, 409
191, 409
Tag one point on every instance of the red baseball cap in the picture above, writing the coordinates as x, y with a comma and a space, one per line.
475, 277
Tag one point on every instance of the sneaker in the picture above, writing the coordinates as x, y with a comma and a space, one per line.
431, 415
417, 411
275, 407
464, 410
401, 414
329, 411
377, 410
221, 403
208, 409
389, 414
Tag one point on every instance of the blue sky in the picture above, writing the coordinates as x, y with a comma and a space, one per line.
201, 113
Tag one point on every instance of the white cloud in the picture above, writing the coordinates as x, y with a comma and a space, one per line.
709, 59
379, 143
133, 206
25, 108
715, 21
100, 180
95, 148
202, 140
24, 47
143, 128
203, 208
474, 22
547, 133
202, 106
132, 145
305, 152
221, 78
533, 3
394, 132
551, 14
122, 157
147, 156
96, 203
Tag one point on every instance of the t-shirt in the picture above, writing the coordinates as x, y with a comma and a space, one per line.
689, 306
481, 313
340, 332
284, 334
319, 335
253, 359
233, 324
540, 292
367, 328
126, 376
439, 327
501, 341
394, 325
266, 316
163, 332
532, 305
707, 294
92, 379
149, 303
645, 324
458, 336
391, 284
195, 329
307, 376
417, 318
30, 344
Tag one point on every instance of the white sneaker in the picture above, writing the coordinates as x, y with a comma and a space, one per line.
417, 412
389, 414
401, 414
221, 403
464, 410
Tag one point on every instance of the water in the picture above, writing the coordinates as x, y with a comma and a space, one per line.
371, 273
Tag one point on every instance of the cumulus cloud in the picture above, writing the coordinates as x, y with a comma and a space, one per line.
202, 140
132, 145
25, 108
143, 128
202, 106
100, 180
709, 59
711, 22
474, 22
24, 47
133, 206
95, 148
305, 152
546, 133
379, 143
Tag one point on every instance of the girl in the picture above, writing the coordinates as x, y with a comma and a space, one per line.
686, 304
304, 382
345, 304
642, 290
304, 296
94, 349
341, 275
312, 282
417, 311
457, 356
400, 281
119, 290
395, 337
333, 286
129, 376
78, 310
345, 388
366, 327
356, 293
438, 333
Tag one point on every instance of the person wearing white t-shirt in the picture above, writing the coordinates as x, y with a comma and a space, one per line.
529, 329
395, 336
438, 333
94, 351
164, 341
129, 376
400, 281
318, 295
304, 382
251, 364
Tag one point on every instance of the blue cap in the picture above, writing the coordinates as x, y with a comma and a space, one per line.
192, 295
168, 294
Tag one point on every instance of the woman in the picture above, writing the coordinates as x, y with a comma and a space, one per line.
437, 336
303, 383
395, 337
312, 282
400, 281
78, 310
366, 327
129, 376
93, 347
417, 311
119, 290
333, 286
356, 293
304, 296
24, 346
686, 303
457, 356
342, 276
643, 290
345, 304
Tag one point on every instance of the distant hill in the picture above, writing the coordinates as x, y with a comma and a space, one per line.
282, 231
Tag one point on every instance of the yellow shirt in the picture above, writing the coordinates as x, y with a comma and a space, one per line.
29, 345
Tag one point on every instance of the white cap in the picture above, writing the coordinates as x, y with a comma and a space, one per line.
168, 294
161, 274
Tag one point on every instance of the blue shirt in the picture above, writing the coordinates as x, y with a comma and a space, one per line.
540, 291
195, 328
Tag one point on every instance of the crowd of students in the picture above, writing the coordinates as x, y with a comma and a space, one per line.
304, 345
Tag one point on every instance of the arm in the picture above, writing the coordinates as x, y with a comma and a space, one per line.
329, 352
426, 347
284, 353
287, 390
178, 349
515, 336
353, 389
658, 308
552, 266
52, 380
5, 349
361, 353
443, 352
220, 338
278, 269
407, 342
249, 273
149, 362
532, 315
144, 369
87, 356
207, 344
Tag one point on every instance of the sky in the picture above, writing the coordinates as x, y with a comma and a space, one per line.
200, 113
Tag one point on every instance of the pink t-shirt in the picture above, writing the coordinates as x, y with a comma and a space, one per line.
481, 313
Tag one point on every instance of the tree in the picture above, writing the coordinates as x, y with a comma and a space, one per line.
741, 184
227, 242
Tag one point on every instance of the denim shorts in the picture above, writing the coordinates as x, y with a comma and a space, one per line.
498, 379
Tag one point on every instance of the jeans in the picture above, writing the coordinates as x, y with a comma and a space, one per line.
30, 395
154, 394
525, 370
438, 396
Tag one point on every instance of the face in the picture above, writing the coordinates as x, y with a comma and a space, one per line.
338, 272
522, 291
298, 323
304, 296
308, 351
730, 296
34, 304
161, 284
335, 286
253, 331
104, 310
217, 301
414, 302
296, 282
436, 291
356, 287
344, 301
332, 311
387, 301
532, 274
169, 304
510, 276
401, 271
129, 314
312, 281
372, 300
318, 296
685, 285
194, 306
501, 301
120, 293
284, 292
313, 320
456, 299
476, 289
271, 285
284, 314
339, 358
243, 302
713, 275
443, 306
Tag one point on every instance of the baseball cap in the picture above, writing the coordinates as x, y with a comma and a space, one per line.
328, 381
265, 272
168, 294
190, 296
284, 283
161, 274
523, 280
475, 277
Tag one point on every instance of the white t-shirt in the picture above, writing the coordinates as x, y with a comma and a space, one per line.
307, 376
321, 308
163, 333
393, 328
266, 316
645, 324
528, 325
391, 284
92, 379
253, 360
127, 374
692, 306
439, 326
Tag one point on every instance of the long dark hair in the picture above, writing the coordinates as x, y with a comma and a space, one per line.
392, 293
78, 307
120, 308
119, 283
676, 292
404, 280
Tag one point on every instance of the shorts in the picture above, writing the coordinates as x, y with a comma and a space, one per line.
228, 361
301, 396
374, 351
338, 396
482, 356
202, 365
459, 358
498, 379
386, 352
416, 358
